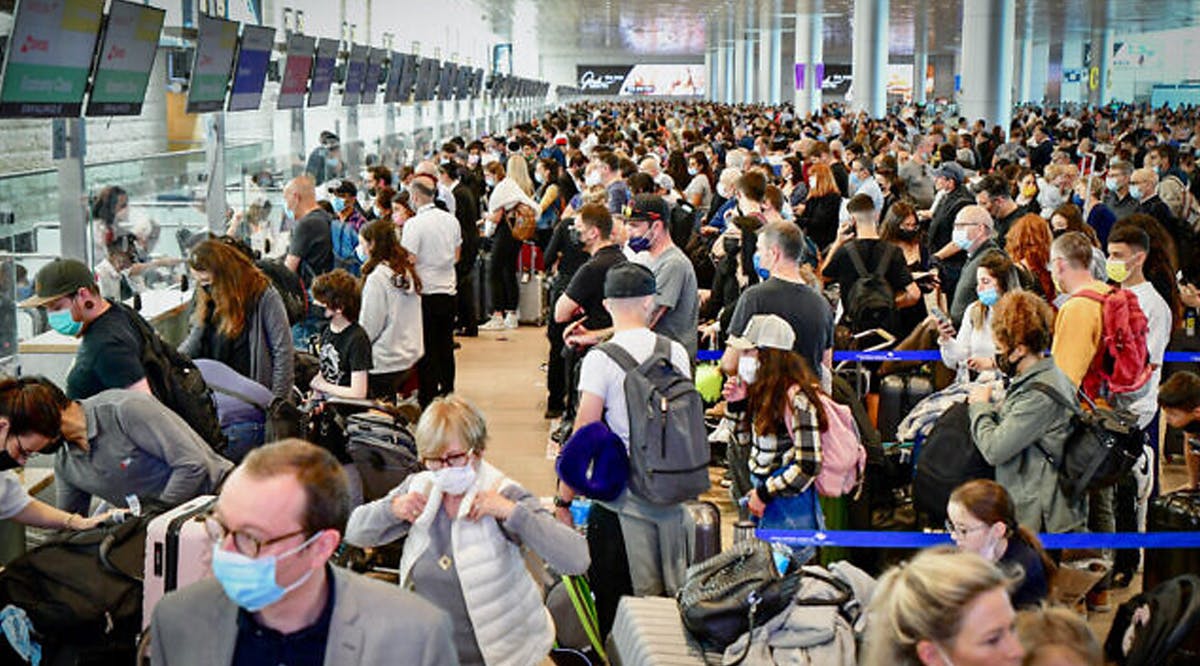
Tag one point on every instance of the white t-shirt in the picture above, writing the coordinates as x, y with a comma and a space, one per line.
433, 236
601, 376
13, 498
1158, 314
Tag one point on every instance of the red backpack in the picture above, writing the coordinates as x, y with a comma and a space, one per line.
1122, 363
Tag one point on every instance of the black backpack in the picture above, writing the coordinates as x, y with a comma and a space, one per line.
177, 382
82, 590
1173, 614
290, 287
948, 459
668, 446
1103, 446
870, 302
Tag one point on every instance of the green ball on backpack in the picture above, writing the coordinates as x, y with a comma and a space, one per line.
708, 382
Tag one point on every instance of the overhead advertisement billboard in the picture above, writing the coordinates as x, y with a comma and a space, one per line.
126, 57
642, 80
49, 56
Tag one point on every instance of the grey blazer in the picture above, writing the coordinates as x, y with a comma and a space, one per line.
373, 624
271, 348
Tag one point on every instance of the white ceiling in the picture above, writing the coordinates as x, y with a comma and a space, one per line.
681, 27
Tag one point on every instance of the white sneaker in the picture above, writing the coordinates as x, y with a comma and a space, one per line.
510, 320
493, 324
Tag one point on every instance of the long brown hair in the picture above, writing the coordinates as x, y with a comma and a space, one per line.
768, 397
237, 284
990, 503
825, 184
386, 249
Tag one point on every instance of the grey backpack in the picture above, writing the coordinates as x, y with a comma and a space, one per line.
668, 446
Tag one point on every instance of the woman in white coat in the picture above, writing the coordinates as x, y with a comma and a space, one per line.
465, 523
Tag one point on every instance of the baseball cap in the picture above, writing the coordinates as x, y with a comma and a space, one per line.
649, 207
951, 170
628, 280
57, 279
345, 188
765, 330
665, 181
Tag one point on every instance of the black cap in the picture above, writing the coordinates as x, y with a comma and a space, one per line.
345, 188
628, 280
650, 207
57, 279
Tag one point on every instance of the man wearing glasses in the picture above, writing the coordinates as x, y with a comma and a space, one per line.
973, 232
275, 598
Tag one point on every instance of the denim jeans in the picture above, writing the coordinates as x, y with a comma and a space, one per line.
242, 438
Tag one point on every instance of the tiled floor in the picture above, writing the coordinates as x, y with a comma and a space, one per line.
502, 372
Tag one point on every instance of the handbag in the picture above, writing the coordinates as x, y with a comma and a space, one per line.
730, 593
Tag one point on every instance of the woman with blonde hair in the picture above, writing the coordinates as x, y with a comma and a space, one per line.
517, 170
465, 523
942, 608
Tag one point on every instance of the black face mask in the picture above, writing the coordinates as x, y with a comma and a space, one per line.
1193, 428
1006, 365
7, 462
731, 246
907, 234
1058, 232
573, 237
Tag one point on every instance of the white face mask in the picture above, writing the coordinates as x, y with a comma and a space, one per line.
592, 178
456, 480
748, 369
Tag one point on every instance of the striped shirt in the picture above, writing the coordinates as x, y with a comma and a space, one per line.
799, 459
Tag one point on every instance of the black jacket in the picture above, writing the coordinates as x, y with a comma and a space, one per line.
941, 225
466, 209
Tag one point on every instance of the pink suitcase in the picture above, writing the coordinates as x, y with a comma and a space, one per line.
178, 552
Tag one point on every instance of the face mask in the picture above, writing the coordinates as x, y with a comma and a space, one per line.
1029, 191
592, 179
1192, 428
1005, 364
1111, 184
855, 182
763, 273
288, 212
472, 160
988, 552
639, 243
812, 182
988, 297
361, 253
250, 582
787, 213
339, 205
332, 162
722, 191
907, 234
1135, 192
456, 480
692, 171
371, 192
573, 235
731, 245
747, 369
961, 239
1158, 171
537, 178
1117, 269
61, 321
7, 462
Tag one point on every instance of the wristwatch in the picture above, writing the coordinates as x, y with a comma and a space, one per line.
561, 503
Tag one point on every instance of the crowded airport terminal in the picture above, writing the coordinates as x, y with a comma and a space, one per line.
553, 332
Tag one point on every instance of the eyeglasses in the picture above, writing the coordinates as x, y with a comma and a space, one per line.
245, 544
955, 530
452, 460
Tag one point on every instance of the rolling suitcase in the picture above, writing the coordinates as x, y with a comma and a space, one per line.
383, 450
483, 287
707, 518
531, 292
177, 552
648, 631
897, 396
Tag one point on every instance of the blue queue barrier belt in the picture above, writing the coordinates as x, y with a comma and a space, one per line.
923, 356
1074, 540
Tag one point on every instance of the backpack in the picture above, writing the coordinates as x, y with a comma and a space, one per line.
1122, 364
1162, 631
1179, 200
683, 221
870, 302
1103, 446
668, 446
290, 287
82, 589
523, 227
843, 458
177, 382
948, 459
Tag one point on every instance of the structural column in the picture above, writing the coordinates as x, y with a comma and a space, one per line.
1039, 72
920, 51
740, 67
729, 56
987, 61
810, 35
1102, 46
1025, 89
869, 68
770, 51
748, 93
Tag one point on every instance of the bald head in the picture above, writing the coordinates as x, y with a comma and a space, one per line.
427, 167
300, 195
1146, 182
976, 223
974, 215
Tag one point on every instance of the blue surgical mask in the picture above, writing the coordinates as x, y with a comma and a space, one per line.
639, 243
61, 321
1111, 184
988, 297
1135, 192
339, 205
855, 182
250, 582
961, 239
762, 272
332, 163
361, 253
288, 212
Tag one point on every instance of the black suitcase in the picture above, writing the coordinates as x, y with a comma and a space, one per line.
483, 287
947, 459
383, 450
707, 517
1173, 512
898, 394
